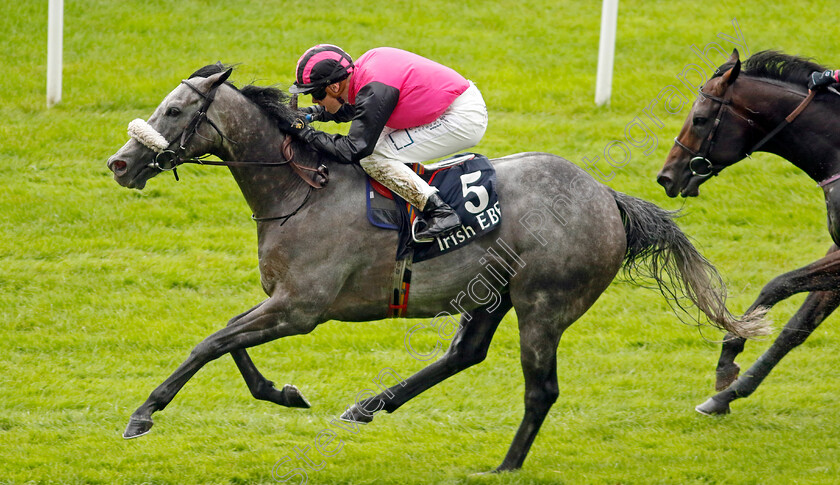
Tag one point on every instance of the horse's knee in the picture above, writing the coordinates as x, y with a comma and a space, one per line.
209, 349
773, 292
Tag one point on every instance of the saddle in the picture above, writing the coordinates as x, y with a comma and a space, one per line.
466, 182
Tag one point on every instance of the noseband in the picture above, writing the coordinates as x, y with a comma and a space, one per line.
700, 158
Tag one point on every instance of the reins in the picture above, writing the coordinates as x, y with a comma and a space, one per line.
288, 159
788, 120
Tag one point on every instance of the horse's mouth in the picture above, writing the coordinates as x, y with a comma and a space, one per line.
686, 185
692, 186
138, 181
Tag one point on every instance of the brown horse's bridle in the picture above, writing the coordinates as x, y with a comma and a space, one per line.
702, 155
706, 147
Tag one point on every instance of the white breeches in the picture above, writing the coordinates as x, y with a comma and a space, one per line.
460, 127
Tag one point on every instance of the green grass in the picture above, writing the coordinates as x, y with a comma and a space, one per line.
104, 291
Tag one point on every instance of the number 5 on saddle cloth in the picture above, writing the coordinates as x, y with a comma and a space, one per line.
466, 182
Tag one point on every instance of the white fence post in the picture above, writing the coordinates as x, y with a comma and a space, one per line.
55, 38
606, 52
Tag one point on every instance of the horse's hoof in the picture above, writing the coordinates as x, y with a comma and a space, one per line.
293, 397
724, 377
355, 416
137, 427
713, 407
489, 473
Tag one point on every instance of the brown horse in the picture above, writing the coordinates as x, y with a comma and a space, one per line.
765, 106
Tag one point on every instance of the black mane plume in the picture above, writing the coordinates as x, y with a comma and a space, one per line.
776, 65
781, 67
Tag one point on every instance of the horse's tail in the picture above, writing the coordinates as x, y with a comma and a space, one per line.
658, 249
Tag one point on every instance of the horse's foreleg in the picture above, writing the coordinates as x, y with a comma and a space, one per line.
469, 347
727, 370
258, 327
821, 275
817, 307
260, 387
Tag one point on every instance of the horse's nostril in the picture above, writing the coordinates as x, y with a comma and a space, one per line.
117, 166
664, 180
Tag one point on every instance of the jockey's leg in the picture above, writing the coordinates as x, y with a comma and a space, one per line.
461, 126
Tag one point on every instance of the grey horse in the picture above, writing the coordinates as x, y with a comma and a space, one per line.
563, 239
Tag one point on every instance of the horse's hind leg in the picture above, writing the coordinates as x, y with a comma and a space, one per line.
469, 347
260, 387
817, 307
538, 347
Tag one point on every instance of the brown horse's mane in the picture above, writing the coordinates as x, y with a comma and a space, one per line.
771, 64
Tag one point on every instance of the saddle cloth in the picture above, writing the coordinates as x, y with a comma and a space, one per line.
466, 182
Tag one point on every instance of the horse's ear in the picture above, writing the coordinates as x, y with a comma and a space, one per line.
225, 75
216, 79
293, 102
735, 57
731, 75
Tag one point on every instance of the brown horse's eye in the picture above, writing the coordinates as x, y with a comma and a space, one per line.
699, 120
173, 111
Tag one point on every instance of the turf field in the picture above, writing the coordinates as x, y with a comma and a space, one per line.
104, 290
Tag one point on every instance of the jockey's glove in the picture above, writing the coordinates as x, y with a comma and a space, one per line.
821, 79
313, 113
300, 129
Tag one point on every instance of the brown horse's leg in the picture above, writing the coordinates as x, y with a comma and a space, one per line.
817, 307
469, 347
259, 326
823, 274
260, 387
727, 370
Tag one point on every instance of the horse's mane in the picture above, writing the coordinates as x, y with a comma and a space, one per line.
270, 99
273, 101
771, 64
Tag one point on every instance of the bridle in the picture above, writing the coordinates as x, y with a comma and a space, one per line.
702, 155
169, 159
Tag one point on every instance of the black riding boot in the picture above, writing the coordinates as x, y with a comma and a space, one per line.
440, 219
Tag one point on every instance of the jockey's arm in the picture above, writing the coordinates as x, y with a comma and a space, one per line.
374, 104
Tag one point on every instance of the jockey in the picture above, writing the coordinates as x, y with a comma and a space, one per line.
821, 79
403, 108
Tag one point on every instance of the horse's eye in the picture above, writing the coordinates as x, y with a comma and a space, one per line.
699, 120
173, 111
